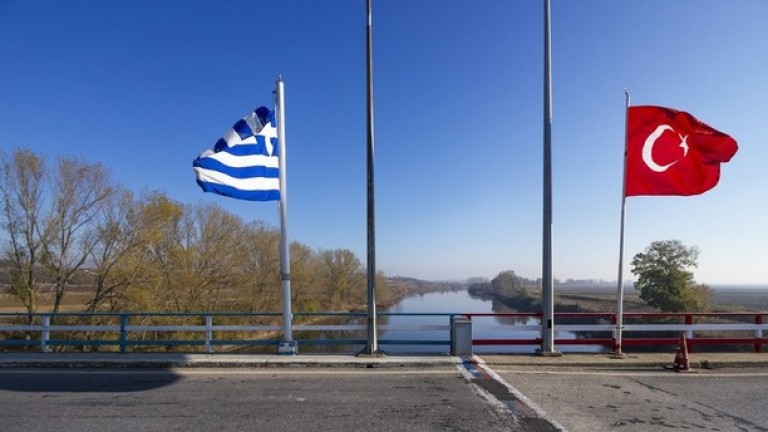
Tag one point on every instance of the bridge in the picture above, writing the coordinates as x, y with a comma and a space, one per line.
457, 333
576, 392
119, 371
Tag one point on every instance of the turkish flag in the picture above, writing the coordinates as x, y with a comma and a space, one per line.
670, 152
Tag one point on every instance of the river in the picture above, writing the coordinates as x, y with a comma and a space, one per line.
459, 302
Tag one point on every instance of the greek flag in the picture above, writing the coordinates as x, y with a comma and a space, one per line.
245, 163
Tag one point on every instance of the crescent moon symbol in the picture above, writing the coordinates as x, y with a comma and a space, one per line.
648, 149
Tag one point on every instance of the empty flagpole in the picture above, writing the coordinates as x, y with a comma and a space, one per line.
547, 280
617, 349
372, 345
288, 345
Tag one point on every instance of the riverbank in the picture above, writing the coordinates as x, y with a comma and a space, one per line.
597, 299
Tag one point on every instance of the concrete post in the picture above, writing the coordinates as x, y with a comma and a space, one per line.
461, 335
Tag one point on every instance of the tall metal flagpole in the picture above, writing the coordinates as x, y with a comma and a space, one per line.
288, 345
372, 344
620, 283
547, 280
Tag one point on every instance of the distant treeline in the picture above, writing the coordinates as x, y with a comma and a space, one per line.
408, 285
519, 294
67, 228
508, 288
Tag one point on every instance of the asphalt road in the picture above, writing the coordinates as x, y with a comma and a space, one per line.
390, 399
627, 401
288, 399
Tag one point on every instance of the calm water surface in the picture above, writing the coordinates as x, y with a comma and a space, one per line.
459, 302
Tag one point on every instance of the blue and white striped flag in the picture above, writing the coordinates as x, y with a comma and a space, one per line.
245, 163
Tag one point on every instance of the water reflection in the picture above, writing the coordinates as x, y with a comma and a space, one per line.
499, 307
401, 337
459, 302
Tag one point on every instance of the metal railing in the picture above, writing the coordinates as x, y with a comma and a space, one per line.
646, 329
212, 331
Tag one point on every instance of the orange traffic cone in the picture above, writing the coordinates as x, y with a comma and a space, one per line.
681, 363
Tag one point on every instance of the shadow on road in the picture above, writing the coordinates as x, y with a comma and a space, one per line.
85, 380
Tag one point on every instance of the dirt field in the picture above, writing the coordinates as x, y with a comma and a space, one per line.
731, 299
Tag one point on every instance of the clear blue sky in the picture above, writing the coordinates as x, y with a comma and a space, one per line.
145, 86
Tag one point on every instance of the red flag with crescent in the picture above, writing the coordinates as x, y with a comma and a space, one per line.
670, 152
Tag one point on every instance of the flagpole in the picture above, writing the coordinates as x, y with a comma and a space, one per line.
372, 344
617, 349
547, 279
288, 345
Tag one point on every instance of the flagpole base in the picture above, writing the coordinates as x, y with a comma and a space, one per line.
288, 347
542, 353
374, 354
617, 354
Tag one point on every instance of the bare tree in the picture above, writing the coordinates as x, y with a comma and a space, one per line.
67, 223
305, 279
22, 191
78, 191
193, 257
214, 254
261, 270
156, 259
116, 256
